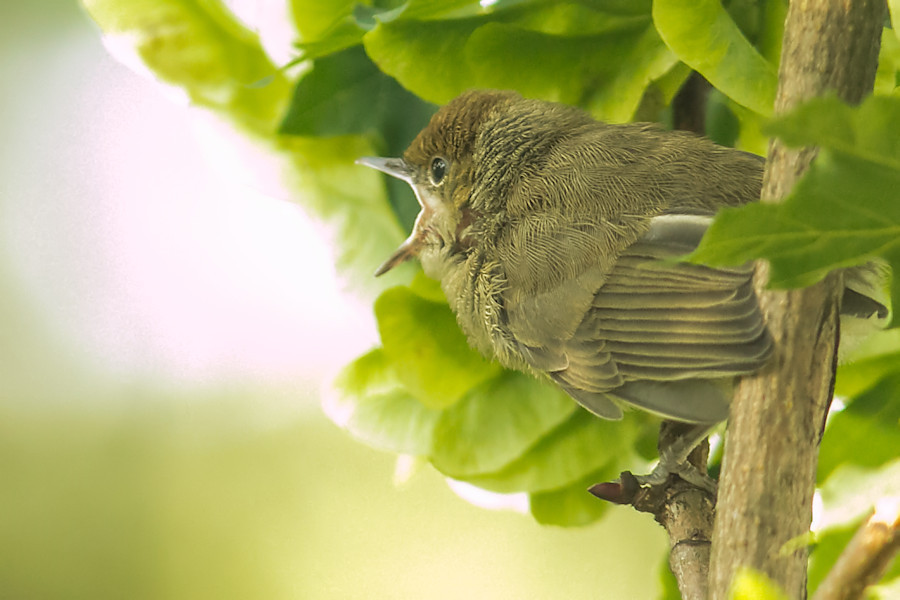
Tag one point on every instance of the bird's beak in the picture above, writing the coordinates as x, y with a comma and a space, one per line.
408, 249
397, 167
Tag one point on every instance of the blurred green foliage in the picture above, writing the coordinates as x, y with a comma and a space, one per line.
369, 73
753, 585
191, 495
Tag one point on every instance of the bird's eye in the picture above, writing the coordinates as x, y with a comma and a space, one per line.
438, 170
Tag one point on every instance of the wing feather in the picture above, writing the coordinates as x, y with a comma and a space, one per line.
663, 335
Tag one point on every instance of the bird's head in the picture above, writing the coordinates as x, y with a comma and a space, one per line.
440, 167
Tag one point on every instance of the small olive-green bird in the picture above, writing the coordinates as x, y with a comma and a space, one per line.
552, 235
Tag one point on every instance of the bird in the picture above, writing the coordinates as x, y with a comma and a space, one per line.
557, 241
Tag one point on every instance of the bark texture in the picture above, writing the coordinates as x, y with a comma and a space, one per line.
769, 466
684, 509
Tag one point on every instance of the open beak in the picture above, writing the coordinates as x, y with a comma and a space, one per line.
397, 167
408, 249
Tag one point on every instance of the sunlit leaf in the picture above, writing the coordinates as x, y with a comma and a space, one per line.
575, 449
887, 78
373, 405
427, 288
315, 19
201, 48
427, 349
865, 131
702, 34
894, 8
645, 61
434, 9
559, 53
495, 423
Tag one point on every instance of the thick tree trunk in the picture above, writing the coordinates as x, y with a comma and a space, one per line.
769, 467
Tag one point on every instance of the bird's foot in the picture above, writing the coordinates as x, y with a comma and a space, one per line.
669, 466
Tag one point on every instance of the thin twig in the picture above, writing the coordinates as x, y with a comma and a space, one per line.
867, 556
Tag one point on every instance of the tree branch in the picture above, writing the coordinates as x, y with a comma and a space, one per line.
866, 557
769, 466
683, 509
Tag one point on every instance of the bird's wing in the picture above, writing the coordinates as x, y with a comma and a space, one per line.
661, 335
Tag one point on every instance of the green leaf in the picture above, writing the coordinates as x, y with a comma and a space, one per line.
753, 585
427, 288
373, 406
571, 506
876, 357
316, 20
821, 226
576, 448
867, 432
425, 57
889, 589
343, 94
722, 125
345, 34
559, 53
369, 17
436, 9
866, 131
751, 137
201, 48
844, 210
646, 60
495, 423
772, 31
894, 7
887, 77
703, 35
620, 7
427, 349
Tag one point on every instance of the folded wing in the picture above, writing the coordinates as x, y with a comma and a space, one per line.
663, 335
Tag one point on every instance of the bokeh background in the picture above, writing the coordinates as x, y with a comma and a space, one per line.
167, 333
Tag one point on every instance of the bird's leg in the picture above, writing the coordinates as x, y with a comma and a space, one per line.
675, 445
